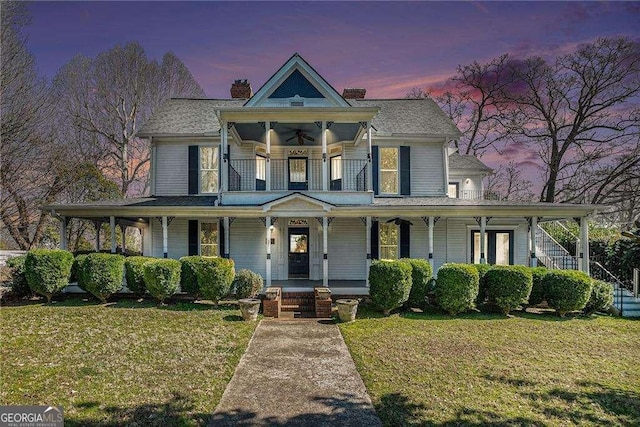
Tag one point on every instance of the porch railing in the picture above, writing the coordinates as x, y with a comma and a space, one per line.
343, 175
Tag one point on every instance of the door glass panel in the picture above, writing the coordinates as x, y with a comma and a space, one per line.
389, 240
261, 168
298, 170
502, 248
298, 243
476, 247
336, 168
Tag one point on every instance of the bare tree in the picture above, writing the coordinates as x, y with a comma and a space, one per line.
577, 112
508, 183
109, 97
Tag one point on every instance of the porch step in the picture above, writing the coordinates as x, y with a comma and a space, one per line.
301, 304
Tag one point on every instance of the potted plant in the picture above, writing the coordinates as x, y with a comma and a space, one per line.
247, 285
347, 309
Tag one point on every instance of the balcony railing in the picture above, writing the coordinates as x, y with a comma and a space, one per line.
297, 174
478, 195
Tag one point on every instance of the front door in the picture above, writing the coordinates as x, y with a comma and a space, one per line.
298, 252
298, 173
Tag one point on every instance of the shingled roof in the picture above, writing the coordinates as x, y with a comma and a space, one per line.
467, 163
397, 117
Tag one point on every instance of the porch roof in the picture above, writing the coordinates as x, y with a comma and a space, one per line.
205, 206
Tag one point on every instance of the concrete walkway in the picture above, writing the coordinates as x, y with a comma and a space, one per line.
296, 373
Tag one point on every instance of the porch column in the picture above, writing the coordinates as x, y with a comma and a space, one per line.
112, 226
369, 165
267, 140
325, 165
226, 223
165, 238
483, 229
432, 224
325, 251
584, 247
224, 181
98, 226
532, 239
267, 223
63, 233
368, 239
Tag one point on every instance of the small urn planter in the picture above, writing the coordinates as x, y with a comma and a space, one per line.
249, 308
347, 309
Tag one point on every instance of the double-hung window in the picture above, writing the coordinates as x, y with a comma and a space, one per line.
209, 238
209, 169
453, 190
389, 241
389, 162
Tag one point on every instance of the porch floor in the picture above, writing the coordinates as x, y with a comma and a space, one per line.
338, 287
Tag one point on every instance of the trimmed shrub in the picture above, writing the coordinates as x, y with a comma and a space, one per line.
457, 287
247, 283
482, 284
390, 284
19, 285
102, 274
188, 276
78, 272
134, 272
601, 297
538, 293
215, 276
421, 273
162, 277
509, 286
48, 270
567, 290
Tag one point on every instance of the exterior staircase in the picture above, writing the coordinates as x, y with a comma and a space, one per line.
298, 305
553, 255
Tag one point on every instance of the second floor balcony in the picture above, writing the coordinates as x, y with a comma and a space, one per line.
298, 174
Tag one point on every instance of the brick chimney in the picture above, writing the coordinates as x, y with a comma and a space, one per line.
241, 89
353, 93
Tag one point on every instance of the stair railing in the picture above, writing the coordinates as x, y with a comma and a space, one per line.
547, 245
600, 273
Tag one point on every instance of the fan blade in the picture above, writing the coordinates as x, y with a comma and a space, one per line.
307, 137
293, 137
392, 220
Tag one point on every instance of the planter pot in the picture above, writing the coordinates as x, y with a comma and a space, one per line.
347, 309
249, 308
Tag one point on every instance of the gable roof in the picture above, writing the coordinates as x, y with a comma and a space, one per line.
467, 162
409, 116
304, 70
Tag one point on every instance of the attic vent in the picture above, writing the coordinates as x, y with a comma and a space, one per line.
296, 103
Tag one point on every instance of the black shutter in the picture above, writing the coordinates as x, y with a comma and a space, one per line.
405, 242
193, 237
405, 171
193, 169
375, 161
221, 238
375, 239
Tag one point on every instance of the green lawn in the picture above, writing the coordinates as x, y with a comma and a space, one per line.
125, 363
478, 369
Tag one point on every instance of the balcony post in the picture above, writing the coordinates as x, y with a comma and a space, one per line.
165, 237
267, 224
533, 243
267, 140
369, 159
63, 233
325, 164
584, 247
325, 251
225, 158
483, 229
227, 238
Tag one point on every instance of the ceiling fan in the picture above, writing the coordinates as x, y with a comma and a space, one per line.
301, 136
399, 221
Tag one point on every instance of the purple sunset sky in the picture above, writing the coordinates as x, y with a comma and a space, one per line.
386, 47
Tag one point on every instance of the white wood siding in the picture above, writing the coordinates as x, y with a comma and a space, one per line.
427, 170
247, 245
178, 242
172, 170
347, 249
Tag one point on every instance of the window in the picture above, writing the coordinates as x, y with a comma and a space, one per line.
209, 238
389, 170
389, 241
336, 168
453, 190
498, 247
208, 169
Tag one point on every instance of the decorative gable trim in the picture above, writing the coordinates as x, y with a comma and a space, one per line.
298, 198
297, 63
